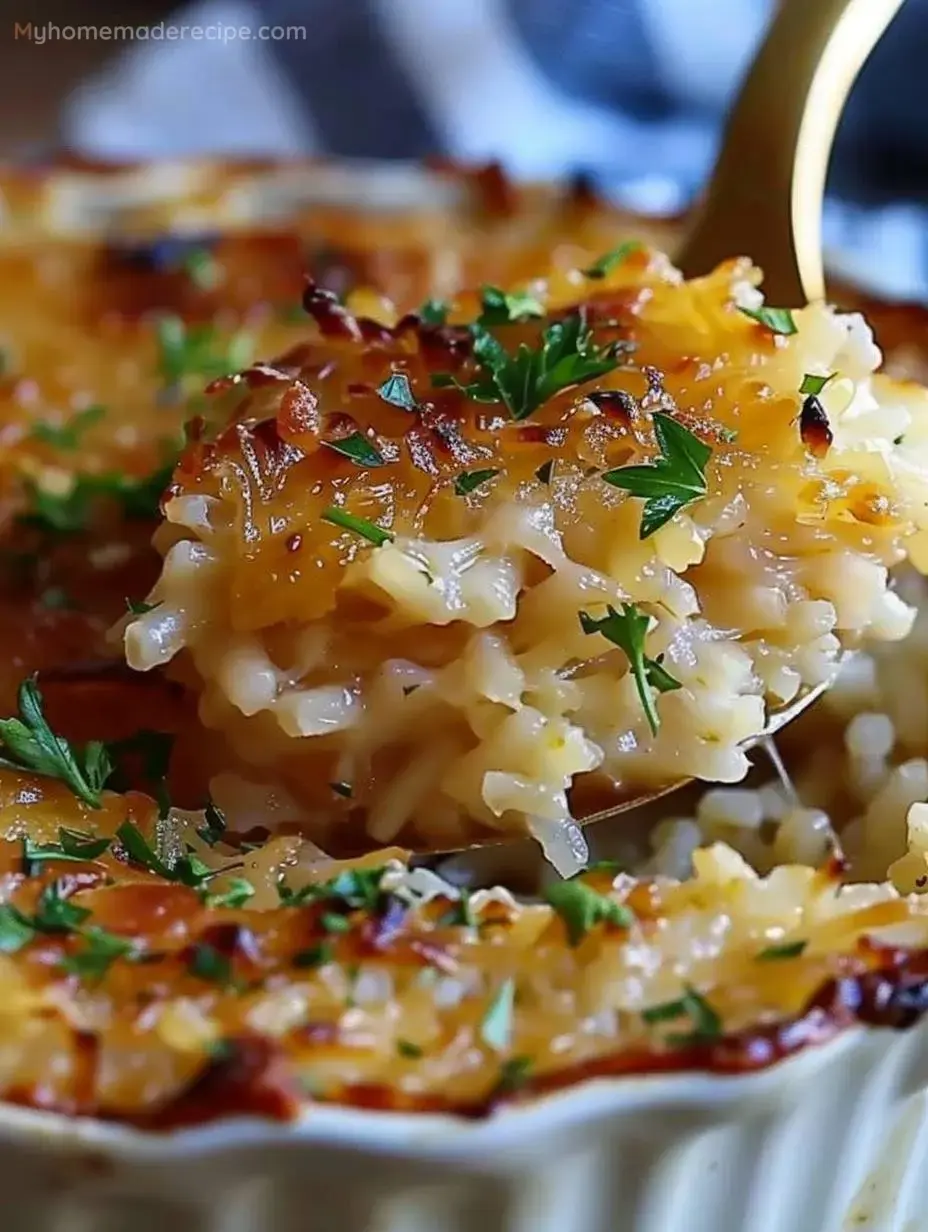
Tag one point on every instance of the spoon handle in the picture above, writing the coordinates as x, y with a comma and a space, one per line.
764, 199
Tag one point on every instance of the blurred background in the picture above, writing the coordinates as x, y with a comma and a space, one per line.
631, 91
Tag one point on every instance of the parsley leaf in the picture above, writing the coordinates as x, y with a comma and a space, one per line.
56, 914
72, 511
777, 320
314, 956
469, 481
544, 472
196, 350
790, 949
31, 744
670, 482
407, 1049
237, 895
100, 951
15, 929
202, 268
75, 847
501, 308
812, 384
206, 963
214, 824
627, 630
525, 381
140, 608
434, 312
608, 261
140, 851
358, 449
367, 530
398, 392
706, 1023
68, 435
496, 1024
581, 908
514, 1073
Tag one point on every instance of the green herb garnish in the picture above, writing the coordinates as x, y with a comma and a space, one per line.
358, 449
407, 1049
56, 914
398, 392
544, 472
196, 350
607, 263
202, 268
500, 308
627, 630
514, 1073
468, 481
100, 951
360, 526
332, 922
141, 608
525, 381
237, 895
15, 929
777, 320
675, 479
814, 385
461, 914
790, 949
206, 963
74, 847
434, 312
496, 1024
141, 852
29, 743
706, 1023
153, 748
214, 825
314, 956
73, 511
582, 908
68, 435
56, 599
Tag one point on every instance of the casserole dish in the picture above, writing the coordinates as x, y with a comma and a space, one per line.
636, 1154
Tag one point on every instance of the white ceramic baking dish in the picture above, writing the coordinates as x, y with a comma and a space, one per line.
833, 1140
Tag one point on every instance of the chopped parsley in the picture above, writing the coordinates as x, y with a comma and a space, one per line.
525, 381
705, 1021
140, 608
68, 435
202, 268
358, 449
314, 956
582, 908
153, 749
72, 511
100, 951
514, 1073
608, 261
675, 479
790, 949
398, 392
15, 929
496, 1024
354, 888
237, 895
434, 312
812, 384
30, 744
332, 922
461, 914
469, 481
56, 599
196, 350
189, 870
360, 526
206, 963
728, 435
74, 847
500, 308
407, 1049
544, 472
777, 320
214, 825
627, 630
57, 914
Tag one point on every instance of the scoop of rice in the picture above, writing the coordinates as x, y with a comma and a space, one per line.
413, 582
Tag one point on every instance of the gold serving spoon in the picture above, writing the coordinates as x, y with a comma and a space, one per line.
765, 197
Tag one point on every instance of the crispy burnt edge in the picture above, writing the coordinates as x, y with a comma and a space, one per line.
251, 1076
